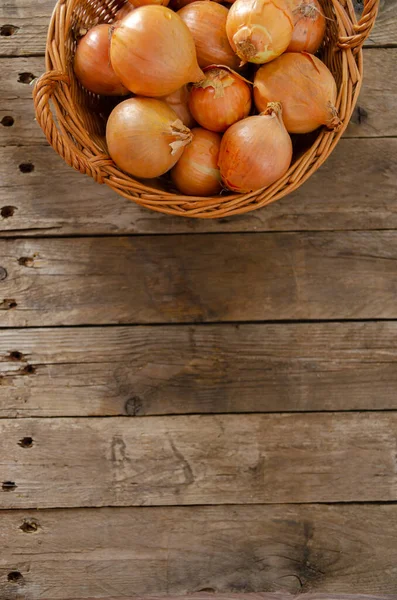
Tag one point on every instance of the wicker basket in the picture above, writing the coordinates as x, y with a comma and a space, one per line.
77, 132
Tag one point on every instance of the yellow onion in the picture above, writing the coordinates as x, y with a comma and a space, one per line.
179, 102
178, 4
304, 86
220, 100
137, 3
207, 23
196, 173
309, 26
256, 151
259, 30
124, 11
153, 53
145, 137
92, 64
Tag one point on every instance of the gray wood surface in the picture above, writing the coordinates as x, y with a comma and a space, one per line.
30, 22
140, 371
112, 553
198, 278
206, 459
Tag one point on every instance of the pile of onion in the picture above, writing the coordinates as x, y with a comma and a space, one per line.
255, 152
207, 23
153, 53
221, 99
190, 111
196, 173
309, 26
304, 86
259, 30
92, 63
145, 137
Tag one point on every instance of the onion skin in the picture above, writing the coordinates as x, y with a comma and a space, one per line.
124, 11
304, 86
207, 23
255, 152
145, 137
220, 100
259, 30
153, 52
309, 26
178, 4
92, 63
179, 102
196, 173
138, 3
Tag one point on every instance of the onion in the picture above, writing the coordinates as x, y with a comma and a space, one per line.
153, 52
207, 22
178, 4
124, 11
196, 173
145, 137
259, 30
255, 152
309, 26
92, 63
137, 3
220, 100
304, 86
179, 102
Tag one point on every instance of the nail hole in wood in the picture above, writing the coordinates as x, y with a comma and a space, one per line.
8, 303
26, 261
29, 370
8, 486
15, 355
7, 211
26, 167
26, 442
7, 121
3, 273
30, 526
7, 30
15, 576
26, 77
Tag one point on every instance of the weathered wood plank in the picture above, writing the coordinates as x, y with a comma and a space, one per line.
179, 279
23, 26
213, 369
207, 459
30, 20
225, 549
376, 114
355, 189
110, 553
385, 31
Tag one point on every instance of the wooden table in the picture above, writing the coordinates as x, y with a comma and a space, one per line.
196, 406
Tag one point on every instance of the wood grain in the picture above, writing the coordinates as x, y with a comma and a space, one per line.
55, 200
207, 459
180, 279
108, 553
213, 369
31, 19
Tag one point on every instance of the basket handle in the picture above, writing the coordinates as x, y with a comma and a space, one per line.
362, 28
57, 135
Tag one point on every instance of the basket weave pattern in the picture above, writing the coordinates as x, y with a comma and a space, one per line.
74, 123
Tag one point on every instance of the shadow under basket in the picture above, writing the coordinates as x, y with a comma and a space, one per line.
73, 119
